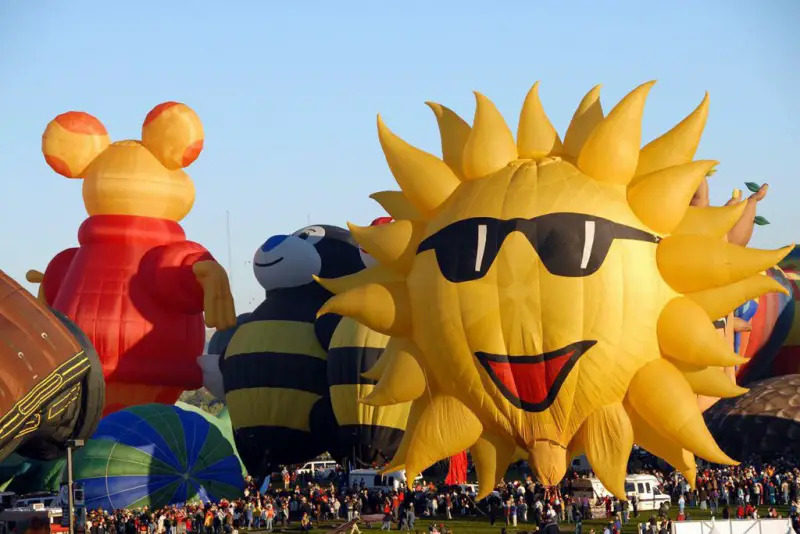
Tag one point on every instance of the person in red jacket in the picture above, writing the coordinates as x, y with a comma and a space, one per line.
134, 284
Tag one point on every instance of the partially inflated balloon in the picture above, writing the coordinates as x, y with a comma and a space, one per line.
770, 328
367, 435
154, 455
535, 286
788, 359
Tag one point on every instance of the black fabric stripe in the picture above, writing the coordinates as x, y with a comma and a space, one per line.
368, 444
265, 447
277, 370
292, 304
345, 365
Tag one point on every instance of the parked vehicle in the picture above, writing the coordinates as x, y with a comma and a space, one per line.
372, 480
321, 468
644, 487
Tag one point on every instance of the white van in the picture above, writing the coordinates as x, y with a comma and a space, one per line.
372, 480
321, 468
645, 487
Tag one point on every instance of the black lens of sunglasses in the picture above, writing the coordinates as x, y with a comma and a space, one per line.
568, 244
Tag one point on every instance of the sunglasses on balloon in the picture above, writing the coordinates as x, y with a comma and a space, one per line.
568, 244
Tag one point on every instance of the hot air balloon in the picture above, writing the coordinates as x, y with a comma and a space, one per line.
769, 328
134, 284
222, 421
275, 366
764, 422
553, 295
788, 359
154, 455
51, 382
24, 475
368, 435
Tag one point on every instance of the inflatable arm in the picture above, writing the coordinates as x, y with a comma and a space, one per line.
167, 273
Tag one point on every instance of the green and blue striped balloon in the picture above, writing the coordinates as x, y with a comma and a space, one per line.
155, 455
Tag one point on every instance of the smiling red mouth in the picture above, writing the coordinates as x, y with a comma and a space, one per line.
532, 382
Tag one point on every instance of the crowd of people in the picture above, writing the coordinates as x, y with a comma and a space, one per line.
735, 492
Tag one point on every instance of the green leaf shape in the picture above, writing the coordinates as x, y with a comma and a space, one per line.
761, 221
752, 186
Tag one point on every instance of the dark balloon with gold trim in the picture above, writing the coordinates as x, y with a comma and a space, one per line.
51, 381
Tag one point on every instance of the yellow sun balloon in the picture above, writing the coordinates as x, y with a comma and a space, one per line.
549, 295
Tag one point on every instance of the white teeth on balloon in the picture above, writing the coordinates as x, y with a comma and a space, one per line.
481, 247
588, 243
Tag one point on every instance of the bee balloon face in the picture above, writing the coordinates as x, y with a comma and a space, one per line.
555, 297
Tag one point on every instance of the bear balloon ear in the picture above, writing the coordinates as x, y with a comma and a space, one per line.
174, 134
72, 141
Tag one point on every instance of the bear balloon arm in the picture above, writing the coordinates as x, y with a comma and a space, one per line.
166, 271
54, 275
218, 306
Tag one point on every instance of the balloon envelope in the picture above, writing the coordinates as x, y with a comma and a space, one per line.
770, 327
155, 455
765, 421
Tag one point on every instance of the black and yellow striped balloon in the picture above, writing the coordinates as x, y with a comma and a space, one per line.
367, 434
275, 376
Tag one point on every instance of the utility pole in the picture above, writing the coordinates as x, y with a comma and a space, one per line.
71, 444
230, 254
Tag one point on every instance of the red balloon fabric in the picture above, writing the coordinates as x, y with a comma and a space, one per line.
130, 287
457, 473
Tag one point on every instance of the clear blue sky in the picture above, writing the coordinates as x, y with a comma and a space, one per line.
288, 93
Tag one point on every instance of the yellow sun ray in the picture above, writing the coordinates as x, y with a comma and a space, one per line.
660, 199
445, 428
712, 221
402, 381
677, 146
721, 301
381, 307
685, 333
454, 132
536, 137
607, 438
709, 381
490, 145
491, 455
692, 263
676, 414
586, 118
660, 445
426, 180
393, 244
611, 152
377, 274
396, 205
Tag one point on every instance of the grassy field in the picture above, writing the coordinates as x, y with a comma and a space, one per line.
480, 525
